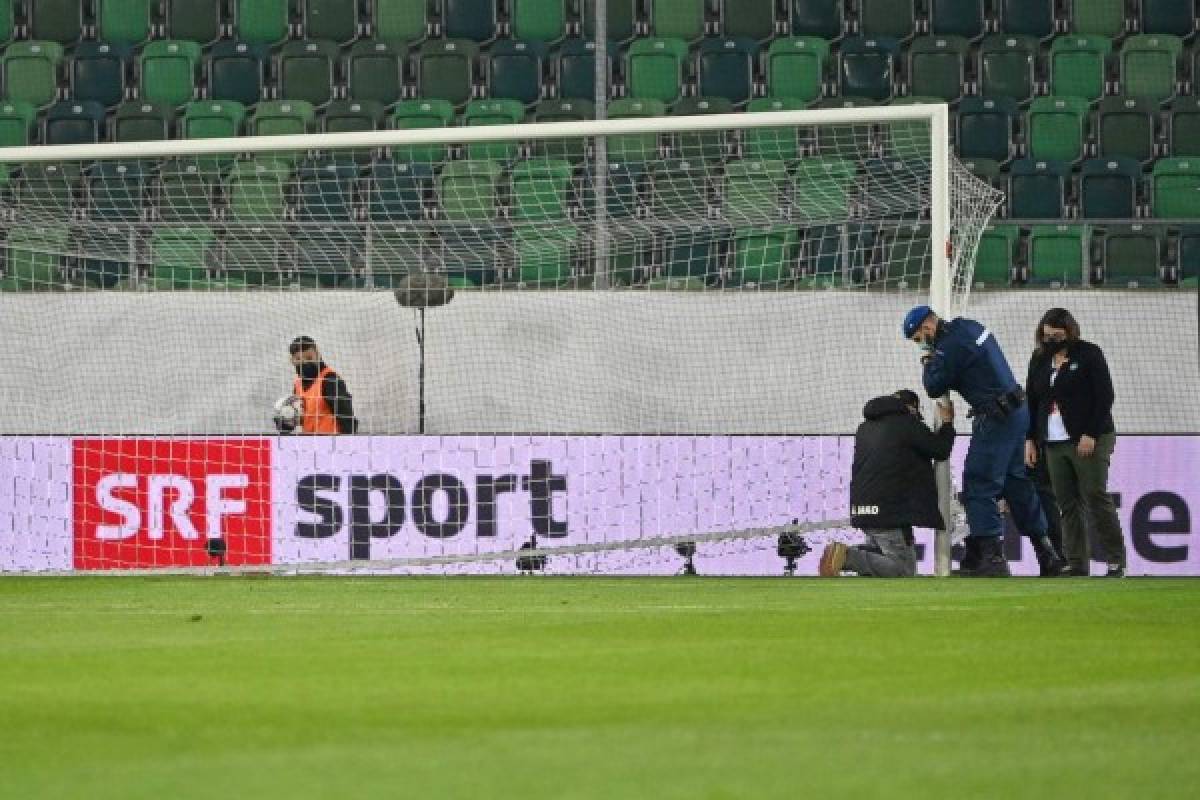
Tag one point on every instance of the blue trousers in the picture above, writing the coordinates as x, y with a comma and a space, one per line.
995, 468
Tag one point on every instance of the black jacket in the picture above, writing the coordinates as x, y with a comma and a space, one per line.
892, 483
1083, 391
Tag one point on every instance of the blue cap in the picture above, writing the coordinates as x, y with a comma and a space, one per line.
913, 320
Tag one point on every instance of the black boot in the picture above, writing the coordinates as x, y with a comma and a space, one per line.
1050, 563
992, 563
969, 563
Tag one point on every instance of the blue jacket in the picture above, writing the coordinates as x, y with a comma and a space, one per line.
967, 359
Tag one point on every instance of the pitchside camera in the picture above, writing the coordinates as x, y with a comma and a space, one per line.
216, 549
531, 564
687, 551
791, 547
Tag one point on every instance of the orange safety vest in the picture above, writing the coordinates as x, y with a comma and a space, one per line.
318, 416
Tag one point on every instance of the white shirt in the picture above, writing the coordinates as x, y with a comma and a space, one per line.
1056, 431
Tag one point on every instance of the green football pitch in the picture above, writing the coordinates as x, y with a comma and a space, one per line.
172, 688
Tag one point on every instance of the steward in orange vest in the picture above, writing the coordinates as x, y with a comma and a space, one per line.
328, 406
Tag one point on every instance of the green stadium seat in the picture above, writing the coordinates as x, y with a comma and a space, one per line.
58, 21
34, 261
622, 19
753, 191
6, 21
711, 146
638, 148
655, 68
573, 150
18, 123
1128, 126
1177, 188
184, 192
282, 118
1185, 126
397, 192
630, 245
725, 68
308, 71
866, 68
679, 19
1131, 257
821, 18
183, 257
957, 18
168, 71
334, 20
400, 20
1174, 17
539, 20
1077, 66
1149, 66
375, 71
47, 189
256, 190
1038, 189
985, 128
494, 112
575, 68
468, 191
469, 19
117, 191
1027, 17
1058, 254
261, 21
997, 256
31, 71
514, 70
350, 116
937, 67
987, 171
842, 141
328, 256
71, 122
688, 256
541, 190
680, 190
97, 72
820, 192
896, 19
908, 139
776, 143
1109, 188
325, 189
1097, 17
421, 114
446, 70
193, 20
1057, 128
236, 71
247, 257
136, 121
763, 258
796, 68
544, 254
1187, 263
124, 21
213, 119
753, 19
1007, 67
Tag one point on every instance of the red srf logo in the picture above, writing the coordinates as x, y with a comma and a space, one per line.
160, 502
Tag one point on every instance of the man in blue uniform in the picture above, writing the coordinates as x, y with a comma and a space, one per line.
963, 355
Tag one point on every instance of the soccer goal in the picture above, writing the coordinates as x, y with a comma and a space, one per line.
636, 345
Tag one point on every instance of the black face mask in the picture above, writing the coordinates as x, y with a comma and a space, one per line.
308, 370
1053, 346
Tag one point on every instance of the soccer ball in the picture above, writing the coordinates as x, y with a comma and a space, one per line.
288, 412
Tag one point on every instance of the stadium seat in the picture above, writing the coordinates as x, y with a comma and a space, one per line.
168, 71
282, 118
213, 119
474, 20
543, 254
514, 70
58, 21
1077, 66
31, 71
896, 19
1174, 17
987, 171
655, 68
796, 68
6, 21
261, 21
1187, 262
1177, 188
446, 70
753, 191
622, 19
937, 67
184, 192
1038, 189
1058, 255
1127, 126
1097, 17
73, 122
573, 150
255, 190
33, 256
677, 19
236, 71
124, 21
398, 192
375, 71
997, 255
541, 189
136, 121
764, 257
400, 20
1027, 17
575, 68
349, 116
308, 71
964, 18
772, 144
421, 114
333, 20
843, 141
725, 68
820, 192
753, 19
539, 20
1185, 126
1131, 256
48, 189
325, 189
866, 67
117, 191
97, 72
183, 257
706, 146
637, 148
18, 123
493, 112
908, 138
1109, 188
468, 191
1057, 128
821, 18
1149, 66
1007, 67
985, 128
193, 20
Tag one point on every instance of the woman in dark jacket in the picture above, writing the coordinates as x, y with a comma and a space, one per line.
1071, 397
